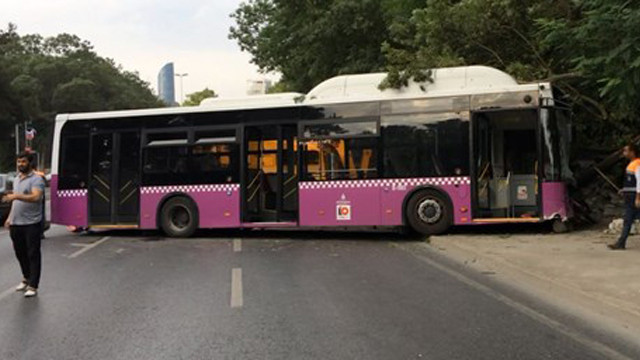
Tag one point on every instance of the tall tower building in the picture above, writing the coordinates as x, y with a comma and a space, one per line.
166, 84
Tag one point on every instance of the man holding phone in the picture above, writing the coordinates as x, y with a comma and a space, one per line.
24, 222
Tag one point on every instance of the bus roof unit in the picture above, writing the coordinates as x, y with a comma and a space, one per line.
279, 99
446, 81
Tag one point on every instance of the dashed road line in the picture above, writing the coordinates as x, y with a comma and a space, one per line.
236, 288
237, 245
87, 247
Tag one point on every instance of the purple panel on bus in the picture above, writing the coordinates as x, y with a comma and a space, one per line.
218, 204
554, 200
373, 202
68, 207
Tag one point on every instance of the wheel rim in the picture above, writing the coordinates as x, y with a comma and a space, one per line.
179, 217
430, 211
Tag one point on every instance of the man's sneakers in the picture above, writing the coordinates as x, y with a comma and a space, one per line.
22, 287
31, 292
615, 246
28, 290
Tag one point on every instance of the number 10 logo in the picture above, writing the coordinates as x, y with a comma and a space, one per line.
343, 212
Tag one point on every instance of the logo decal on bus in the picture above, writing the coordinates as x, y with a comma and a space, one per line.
343, 209
522, 193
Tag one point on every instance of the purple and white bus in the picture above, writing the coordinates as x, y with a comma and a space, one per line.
470, 147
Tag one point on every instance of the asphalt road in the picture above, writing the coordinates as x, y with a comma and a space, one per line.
274, 295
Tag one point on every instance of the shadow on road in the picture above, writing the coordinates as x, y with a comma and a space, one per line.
322, 234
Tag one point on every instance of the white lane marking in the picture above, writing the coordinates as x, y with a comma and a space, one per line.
6, 293
603, 349
237, 245
88, 247
236, 288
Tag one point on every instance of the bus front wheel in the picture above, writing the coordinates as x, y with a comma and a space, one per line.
429, 212
179, 217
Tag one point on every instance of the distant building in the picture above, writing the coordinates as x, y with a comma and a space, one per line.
166, 86
258, 87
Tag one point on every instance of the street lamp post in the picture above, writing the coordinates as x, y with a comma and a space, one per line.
181, 76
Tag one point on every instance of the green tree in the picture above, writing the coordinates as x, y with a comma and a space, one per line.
588, 48
278, 87
601, 46
194, 99
311, 41
41, 77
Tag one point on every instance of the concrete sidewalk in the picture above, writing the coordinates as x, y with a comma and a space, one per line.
573, 271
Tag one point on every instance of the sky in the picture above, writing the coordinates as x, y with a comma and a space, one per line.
143, 35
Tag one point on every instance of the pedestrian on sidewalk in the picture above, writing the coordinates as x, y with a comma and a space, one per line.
631, 193
24, 223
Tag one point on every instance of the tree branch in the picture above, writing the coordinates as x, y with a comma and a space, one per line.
603, 112
493, 52
566, 76
532, 47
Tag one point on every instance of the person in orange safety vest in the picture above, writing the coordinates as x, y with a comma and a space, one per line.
631, 193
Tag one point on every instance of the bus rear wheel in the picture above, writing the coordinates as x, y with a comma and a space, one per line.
179, 217
429, 212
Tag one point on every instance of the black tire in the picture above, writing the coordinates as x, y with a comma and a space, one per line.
179, 217
429, 212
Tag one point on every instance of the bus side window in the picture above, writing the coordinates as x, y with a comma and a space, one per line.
312, 161
425, 144
74, 162
213, 163
341, 159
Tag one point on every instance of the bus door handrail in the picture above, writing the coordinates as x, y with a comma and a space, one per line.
511, 209
255, 179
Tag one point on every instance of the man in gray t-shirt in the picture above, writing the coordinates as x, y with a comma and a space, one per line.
24, 223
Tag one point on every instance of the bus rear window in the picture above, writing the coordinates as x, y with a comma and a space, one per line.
74, 162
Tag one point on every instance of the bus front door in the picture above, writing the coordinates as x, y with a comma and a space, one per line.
506, 165
270, 184
114, 184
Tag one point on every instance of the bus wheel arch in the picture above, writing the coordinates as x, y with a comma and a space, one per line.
178, 215
428, 210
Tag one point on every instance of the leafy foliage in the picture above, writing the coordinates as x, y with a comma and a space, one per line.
278, 87
602, 46
310, 41
196, 98
41, 77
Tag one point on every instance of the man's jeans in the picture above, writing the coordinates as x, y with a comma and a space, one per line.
631, 213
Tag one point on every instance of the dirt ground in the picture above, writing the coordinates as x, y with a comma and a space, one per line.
574, 271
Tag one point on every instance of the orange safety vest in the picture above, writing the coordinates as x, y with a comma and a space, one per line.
630, 181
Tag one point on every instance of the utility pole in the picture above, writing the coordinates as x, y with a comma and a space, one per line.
181, 76
17, 138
